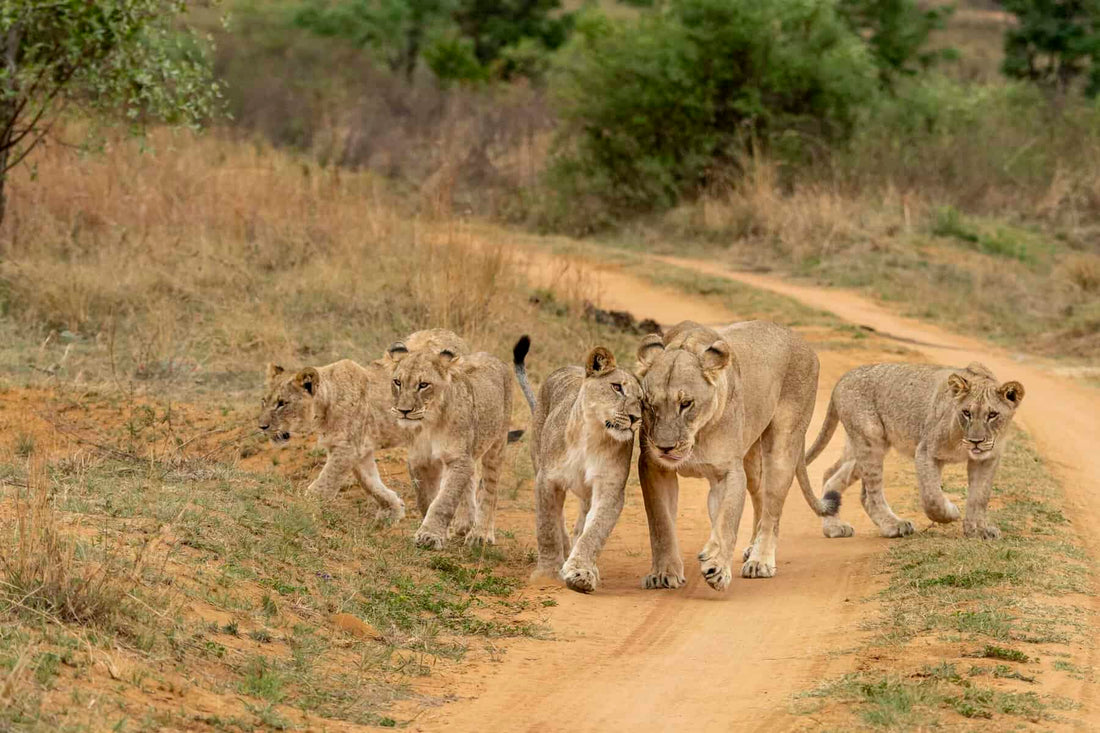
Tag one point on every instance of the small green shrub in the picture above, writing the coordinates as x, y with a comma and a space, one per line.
667, 104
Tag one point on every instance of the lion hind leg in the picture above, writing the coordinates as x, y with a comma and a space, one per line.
838, 478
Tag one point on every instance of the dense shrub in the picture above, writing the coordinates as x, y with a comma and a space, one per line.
1054, 42
654, 108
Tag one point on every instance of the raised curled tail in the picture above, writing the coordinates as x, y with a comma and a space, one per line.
826, 434
827, 505
519, 356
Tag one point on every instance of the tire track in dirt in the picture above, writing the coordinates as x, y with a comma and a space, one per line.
626, 658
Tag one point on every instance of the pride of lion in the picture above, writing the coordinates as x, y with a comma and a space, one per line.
730, 404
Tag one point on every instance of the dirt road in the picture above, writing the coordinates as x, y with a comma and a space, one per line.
630, 659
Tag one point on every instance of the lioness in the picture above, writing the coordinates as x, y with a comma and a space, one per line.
936, 414
460, 406
730, 405
582, 435
346, 405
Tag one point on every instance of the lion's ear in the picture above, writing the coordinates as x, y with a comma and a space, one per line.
651, 346
598, 362
397, 351
273, 370
715, 359
307, 380
1012, 393
959, 386
448, 359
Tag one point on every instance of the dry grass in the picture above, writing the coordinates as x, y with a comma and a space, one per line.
194, 260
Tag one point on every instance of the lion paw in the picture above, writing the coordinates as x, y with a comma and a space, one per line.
757, 569
943, 514
580, 578
718, 575
746, 553
430, 540
903, 528
390, 515
655, 581
982, 531
838, 529
480, 538
460, 529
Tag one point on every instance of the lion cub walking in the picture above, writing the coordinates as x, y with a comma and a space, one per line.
459, 407
582, 437
347, 406
938, 415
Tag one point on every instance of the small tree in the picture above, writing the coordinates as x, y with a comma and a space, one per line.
897, 32
1054, 42
107, 55
459, 39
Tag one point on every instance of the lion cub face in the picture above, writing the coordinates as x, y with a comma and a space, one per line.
983, 408
287, 405
420, 385
611, 397
681, 395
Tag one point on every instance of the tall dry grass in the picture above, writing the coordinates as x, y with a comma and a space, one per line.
198, 258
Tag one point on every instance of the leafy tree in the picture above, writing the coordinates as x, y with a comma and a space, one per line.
661, 106
897, 32
458, 39
1054, 42
107, 55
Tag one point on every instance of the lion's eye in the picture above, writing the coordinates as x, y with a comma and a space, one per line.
991, 416
966, 414
280, 404
423, 385
617, 387
686, 405
397, 383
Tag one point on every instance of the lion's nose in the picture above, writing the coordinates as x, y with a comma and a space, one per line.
666, 448
976, 441
404, 413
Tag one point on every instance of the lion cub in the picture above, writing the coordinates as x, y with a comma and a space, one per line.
458, 406
936, 414
583, 426
347, 406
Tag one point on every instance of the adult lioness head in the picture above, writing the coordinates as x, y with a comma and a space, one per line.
610, 396
421, 384
287, 405
685, 387
983, 408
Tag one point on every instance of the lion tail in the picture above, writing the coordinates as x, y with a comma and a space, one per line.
826, 506
826, 434
519, 357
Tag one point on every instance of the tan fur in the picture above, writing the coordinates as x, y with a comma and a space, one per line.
936, 414
460, 406
730, 405
347, 406
582, 437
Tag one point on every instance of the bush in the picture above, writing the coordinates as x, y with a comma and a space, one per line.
1054, 42
664, 105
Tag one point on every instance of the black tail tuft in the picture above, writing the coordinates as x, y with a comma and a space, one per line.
514, 435
519, 351
831, 500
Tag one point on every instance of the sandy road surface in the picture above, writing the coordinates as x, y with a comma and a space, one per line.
630, 659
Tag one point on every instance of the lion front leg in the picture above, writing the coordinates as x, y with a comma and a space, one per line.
937, 507
725, 503
391, 507
337, 466
550, 533
660, 492
580, 571
980, 475
458, 478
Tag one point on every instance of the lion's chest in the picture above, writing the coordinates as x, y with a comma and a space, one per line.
575, 471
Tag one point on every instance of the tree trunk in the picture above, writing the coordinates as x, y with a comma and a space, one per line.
9, 106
